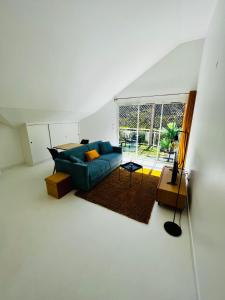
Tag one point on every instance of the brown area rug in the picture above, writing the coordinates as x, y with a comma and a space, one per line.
135, 202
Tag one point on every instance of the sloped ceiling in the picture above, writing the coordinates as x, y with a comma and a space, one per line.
177, 72
74, 56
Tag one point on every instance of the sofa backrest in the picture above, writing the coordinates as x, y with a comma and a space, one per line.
80, 151
95, 146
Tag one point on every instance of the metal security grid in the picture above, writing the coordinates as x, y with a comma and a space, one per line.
140, 126
128, 127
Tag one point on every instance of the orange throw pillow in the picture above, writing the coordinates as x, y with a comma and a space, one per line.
91, 155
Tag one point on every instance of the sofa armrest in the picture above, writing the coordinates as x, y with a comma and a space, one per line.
78, 171
66, 165
117, 149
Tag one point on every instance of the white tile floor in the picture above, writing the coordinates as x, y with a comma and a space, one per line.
71, 249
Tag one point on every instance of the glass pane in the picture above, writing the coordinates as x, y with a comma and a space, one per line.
172, 119
128, 129
145, 132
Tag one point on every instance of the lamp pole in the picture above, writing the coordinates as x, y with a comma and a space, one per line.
170, 226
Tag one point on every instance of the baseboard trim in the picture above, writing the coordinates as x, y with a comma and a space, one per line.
193, 253
11, 167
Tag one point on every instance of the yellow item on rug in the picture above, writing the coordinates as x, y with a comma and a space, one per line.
152, 172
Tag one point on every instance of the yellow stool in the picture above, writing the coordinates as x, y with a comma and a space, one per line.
58, 184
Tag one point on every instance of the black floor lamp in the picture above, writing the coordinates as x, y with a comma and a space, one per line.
170, 226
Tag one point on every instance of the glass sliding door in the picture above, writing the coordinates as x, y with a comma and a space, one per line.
171, 123
128, 129
145, 130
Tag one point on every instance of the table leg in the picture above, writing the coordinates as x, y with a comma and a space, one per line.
130, 178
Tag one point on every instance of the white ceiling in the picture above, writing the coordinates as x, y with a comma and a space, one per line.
76, 55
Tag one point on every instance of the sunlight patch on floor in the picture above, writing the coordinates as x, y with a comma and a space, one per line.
148, 171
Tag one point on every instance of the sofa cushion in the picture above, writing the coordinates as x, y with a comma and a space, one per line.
78, 152
106, 147
91, 155
98, 168
112, 158
94, 146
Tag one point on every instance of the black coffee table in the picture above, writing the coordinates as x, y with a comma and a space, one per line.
131, 167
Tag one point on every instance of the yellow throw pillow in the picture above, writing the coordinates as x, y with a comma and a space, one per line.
91, 155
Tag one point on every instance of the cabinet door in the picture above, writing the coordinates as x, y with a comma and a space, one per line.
39, 141
63, 133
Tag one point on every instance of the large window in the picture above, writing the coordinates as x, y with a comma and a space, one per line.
146, 130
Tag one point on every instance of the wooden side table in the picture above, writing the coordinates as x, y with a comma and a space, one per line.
167, 193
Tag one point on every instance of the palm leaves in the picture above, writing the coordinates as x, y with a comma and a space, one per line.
168, 135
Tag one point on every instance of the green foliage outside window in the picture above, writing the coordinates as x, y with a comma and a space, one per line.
168, 134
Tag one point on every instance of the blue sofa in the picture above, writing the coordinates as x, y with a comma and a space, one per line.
86, 174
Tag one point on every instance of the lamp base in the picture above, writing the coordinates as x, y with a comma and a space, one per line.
172, 228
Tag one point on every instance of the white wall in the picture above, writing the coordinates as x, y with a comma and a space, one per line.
179, 69
102, 125
206, 159
10, 147
176, 72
